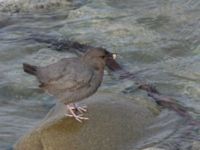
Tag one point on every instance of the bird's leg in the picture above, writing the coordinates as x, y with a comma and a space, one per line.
79, 117
80, 109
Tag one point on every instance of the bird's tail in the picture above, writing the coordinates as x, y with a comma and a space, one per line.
30, 69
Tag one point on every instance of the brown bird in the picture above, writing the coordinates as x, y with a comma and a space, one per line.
73, 79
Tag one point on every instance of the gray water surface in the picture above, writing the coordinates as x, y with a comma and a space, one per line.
161, 37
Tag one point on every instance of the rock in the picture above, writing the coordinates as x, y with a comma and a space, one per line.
196, 145
29, 5
153, 148
115, 123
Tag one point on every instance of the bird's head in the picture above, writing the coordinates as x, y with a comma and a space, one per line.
97, 57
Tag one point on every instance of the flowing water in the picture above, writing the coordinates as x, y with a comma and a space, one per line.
161, 37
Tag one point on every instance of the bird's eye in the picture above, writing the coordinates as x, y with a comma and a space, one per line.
102, 57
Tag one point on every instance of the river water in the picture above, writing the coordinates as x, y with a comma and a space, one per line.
161, 37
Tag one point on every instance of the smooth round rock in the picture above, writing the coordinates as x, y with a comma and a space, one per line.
115, 122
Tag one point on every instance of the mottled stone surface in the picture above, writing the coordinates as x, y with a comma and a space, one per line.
116, 122
196, 145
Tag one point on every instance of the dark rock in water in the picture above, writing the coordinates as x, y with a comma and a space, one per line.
4, 22
116, 122
16, 6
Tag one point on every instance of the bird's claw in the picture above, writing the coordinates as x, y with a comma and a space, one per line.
79, 117
80, 109
72, 113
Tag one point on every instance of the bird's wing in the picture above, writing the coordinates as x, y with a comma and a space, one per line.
67, 74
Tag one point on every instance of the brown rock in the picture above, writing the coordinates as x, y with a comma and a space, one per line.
116, 122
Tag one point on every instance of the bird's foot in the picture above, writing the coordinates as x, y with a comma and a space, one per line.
78, 117
80, 109
77, 108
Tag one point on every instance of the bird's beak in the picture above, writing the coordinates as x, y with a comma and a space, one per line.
114, 56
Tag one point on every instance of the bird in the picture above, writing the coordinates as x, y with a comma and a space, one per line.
71, 80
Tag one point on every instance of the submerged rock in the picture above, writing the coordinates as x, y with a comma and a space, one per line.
116, 122
35, 5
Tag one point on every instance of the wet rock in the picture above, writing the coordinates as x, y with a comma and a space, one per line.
153, 148
116, 122
4, 22
29, 5
196, 145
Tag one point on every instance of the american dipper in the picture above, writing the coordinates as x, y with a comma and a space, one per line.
73, 79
